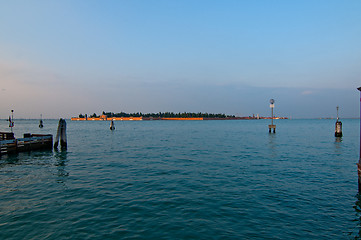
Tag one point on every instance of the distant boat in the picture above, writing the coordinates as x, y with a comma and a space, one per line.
41, 121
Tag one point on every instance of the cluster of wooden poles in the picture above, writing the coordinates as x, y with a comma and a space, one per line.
61, 135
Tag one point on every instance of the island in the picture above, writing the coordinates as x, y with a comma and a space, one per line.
122, 116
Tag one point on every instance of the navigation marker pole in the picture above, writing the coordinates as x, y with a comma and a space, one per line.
41, 121
359, 161
11, 120
270, 127
338, 126
112, 127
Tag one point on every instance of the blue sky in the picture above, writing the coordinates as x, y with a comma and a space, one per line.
62, 58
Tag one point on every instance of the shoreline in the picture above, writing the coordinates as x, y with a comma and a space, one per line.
104, 118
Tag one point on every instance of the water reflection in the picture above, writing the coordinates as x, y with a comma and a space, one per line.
356, 234
60, 155
61, 163
40, 157
338, 145
271, 138
8, 160
272, 143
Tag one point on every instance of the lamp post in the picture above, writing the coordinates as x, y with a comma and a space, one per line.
359, 161
270, 127
337, 112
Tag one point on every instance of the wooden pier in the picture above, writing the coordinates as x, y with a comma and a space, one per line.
10, 144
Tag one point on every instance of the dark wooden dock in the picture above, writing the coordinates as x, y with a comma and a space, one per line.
10, 144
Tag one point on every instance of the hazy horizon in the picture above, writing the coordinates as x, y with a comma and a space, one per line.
63, 58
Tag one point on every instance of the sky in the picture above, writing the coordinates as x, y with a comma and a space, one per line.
63, 58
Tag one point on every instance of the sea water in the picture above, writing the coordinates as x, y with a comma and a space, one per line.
184, 180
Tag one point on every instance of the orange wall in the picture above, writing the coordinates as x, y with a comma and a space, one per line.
77, 119
126, 118
102, 118
181, 118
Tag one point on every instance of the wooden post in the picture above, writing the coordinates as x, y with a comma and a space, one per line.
58, 134
61, 134
63, 142
359, 161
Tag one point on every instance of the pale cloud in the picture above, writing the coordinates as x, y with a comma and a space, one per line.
34, 89
307, 92
26, 73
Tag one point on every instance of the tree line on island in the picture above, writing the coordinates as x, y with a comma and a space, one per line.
161, 115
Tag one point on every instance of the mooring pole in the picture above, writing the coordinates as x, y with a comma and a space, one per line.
58, 133
63, 142
359, 161
61, 135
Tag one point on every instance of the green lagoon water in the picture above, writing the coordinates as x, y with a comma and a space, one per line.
184, 180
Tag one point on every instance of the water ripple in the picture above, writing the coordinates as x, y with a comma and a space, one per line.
183, 180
